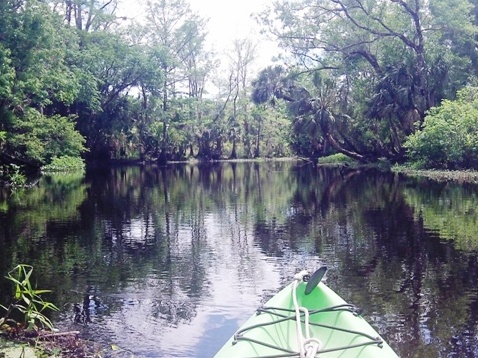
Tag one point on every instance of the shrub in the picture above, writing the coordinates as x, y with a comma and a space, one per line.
64, 164
448, 139
36, 139
338, 158
16, 179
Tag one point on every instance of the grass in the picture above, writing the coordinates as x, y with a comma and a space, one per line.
459, 176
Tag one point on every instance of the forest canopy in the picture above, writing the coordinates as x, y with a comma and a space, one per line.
366, 72
363, 78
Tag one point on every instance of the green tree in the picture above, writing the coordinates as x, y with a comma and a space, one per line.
317, 123
114, 68
109, 65
176, 35
198, 65
390, 62
34, 75
240, 59
37, 139
270, 132
448, 139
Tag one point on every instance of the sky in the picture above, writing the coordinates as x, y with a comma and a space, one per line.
229, 20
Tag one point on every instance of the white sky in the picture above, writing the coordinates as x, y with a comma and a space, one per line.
228, 20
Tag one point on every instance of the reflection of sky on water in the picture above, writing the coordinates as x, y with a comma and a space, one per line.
157, 317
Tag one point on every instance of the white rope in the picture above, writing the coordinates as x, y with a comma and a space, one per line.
308, 346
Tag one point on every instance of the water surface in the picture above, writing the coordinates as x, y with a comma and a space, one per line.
178, 257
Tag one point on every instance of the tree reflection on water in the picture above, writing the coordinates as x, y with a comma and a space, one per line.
181, 255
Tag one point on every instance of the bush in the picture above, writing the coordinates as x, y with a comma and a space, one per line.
36, 139
64, 164
448, 139
15, 178
338, 158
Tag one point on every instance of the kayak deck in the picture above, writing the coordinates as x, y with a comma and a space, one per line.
329, 327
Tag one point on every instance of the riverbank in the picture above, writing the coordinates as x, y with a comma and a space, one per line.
458, 176
47, 344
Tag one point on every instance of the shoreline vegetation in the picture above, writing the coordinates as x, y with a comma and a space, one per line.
459, 176
108, 87
20, 181
25, 330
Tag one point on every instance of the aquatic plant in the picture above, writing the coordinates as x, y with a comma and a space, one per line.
27, 301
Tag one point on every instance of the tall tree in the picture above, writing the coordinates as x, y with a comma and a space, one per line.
87, 15
240, 60
176, 33
109, 65
401, 53
198, 67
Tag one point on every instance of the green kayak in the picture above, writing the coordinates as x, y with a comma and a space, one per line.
327, 327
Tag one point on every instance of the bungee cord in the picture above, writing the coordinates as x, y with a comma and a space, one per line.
308, 346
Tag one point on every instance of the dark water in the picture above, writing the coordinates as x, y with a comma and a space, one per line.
179, 257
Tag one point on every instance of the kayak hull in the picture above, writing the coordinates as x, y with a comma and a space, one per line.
273, 331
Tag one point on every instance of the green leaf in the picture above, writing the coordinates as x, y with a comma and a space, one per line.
39, 292
21, 308
31, 298
50, 306
18, 292
26, 299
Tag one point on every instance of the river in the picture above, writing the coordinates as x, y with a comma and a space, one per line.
176, 258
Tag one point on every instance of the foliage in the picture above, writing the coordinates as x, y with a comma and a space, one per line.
27, 300
38, 47
338, 158
38, 139
357, 78
456, 176
14, 176
64, 164
34, 75
448, 139
382, 65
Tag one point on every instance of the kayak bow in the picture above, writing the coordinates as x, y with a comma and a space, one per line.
306, 319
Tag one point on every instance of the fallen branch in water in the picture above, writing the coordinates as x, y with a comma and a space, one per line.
59, 334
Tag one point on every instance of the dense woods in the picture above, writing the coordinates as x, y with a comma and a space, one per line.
367, 72
358, 77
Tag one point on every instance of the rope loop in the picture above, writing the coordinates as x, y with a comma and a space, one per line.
311, 347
